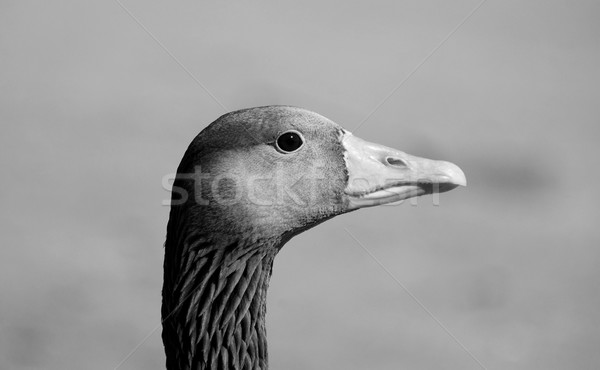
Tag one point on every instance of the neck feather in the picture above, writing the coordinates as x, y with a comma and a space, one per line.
214, 302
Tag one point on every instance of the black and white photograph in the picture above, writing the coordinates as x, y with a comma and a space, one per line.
284, 185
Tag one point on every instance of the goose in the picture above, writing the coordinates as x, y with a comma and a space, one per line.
246, 185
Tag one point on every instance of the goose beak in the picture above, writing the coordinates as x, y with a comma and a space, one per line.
379, 175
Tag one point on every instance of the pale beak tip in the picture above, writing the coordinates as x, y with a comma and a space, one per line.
455, 174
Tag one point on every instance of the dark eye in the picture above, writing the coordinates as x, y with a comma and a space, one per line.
289, 141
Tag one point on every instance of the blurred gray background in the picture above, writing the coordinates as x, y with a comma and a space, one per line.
95, 112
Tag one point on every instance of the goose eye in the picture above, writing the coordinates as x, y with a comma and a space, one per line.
289, 141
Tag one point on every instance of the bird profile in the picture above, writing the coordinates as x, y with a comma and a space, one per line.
246, 185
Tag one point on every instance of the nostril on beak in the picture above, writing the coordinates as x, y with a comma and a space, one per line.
396, 162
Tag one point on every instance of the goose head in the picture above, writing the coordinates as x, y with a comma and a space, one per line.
278, 170
248, 183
